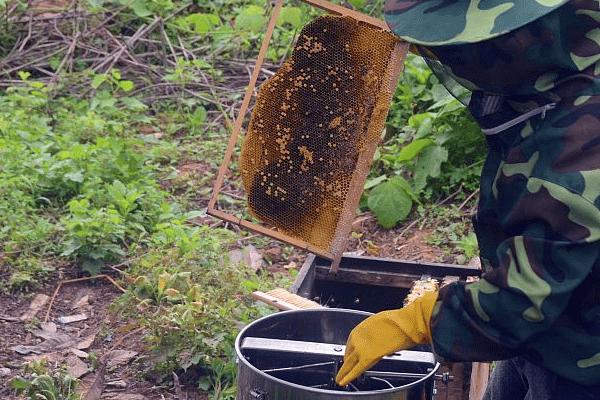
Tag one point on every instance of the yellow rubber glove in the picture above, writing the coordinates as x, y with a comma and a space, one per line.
385, 333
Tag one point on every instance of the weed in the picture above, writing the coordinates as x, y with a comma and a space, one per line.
452, 232
42, 384
468, 245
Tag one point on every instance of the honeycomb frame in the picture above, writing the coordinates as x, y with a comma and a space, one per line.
339, 238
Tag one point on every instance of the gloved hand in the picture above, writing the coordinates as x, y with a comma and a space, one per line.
385, 333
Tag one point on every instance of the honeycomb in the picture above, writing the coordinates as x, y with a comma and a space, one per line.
311, 122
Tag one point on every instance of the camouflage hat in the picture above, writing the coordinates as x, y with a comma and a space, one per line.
445, 22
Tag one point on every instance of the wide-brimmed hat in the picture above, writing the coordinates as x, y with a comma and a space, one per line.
446, 22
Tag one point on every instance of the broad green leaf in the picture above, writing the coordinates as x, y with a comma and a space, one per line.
139, 8
429, 164
116, 74
203, 23
390, 203
199, 116
440, 93
98, 80
449, 107
24, 75
413, 149
371, 183
126, 86
422, 123
133, 103
75, 176
292, 16
403, 183
251, 18
425, 128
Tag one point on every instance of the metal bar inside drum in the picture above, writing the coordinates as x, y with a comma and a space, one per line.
305, 366
326, 349
379, 375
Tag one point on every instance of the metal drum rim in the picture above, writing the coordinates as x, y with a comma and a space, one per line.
243, 360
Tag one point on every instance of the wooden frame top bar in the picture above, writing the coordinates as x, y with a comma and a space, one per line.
340, 10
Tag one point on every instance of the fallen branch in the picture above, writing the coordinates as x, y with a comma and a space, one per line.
61, 283
464, 203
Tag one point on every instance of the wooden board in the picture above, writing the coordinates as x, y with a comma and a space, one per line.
480, 376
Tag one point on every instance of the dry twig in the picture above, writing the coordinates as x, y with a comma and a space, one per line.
61, 283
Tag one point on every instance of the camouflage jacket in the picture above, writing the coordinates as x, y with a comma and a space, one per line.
538, 221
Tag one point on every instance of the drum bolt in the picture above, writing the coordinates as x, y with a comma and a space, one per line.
444, 377
258, 394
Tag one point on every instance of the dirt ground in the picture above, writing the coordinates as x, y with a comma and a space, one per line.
116, 343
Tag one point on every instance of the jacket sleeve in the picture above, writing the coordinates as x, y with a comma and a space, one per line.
549, 245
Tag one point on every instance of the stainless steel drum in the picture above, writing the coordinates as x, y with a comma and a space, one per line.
295, 355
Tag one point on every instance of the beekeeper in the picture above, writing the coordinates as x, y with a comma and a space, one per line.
533, 70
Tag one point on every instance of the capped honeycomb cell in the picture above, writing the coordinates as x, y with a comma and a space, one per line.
311, 124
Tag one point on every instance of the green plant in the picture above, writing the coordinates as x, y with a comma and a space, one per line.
391, 201
113, 80
452, 232
42, 384
76, 183
221, 384
432, 146
27, 273
94, 236
468, 245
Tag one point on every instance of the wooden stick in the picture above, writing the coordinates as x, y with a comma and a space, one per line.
480, 375
341, 10
269, 232
284, 300
464, 203
344, 226
111, 280
68, 55
28, 34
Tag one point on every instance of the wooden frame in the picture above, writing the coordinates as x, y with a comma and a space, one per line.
344, 224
